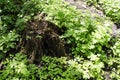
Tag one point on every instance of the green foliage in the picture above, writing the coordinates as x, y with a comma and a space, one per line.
13, 19
114, 61
87, 33
16, 68
8, 35
111, 8
57, 69
7, 42
114, 65
89, 69
30, 8
116, 48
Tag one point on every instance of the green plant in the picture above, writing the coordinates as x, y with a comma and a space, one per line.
89, 69
114, 60
111, 8
116, 48
57, 69
87, 34
16, 68
14, 16
114, 65
7, 42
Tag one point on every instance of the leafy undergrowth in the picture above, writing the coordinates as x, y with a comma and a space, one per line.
111, 8
93, 51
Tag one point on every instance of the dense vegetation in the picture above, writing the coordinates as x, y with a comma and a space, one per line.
91, 50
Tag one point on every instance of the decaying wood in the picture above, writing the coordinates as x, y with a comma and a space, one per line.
40, 38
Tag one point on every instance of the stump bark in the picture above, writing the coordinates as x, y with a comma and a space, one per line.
40, 38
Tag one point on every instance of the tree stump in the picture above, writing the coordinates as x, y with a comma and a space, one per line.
40, 38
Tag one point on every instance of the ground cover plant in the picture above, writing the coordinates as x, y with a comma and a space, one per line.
52, 40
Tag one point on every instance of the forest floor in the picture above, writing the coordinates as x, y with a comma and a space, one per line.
83, 6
